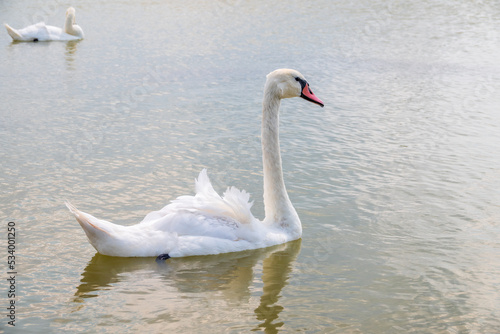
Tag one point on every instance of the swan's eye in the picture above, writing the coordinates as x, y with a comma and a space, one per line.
302, 82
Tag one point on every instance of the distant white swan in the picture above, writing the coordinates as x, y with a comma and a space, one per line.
41, 33
208, 223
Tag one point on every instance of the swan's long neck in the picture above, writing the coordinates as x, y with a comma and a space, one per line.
278, 208
68, 24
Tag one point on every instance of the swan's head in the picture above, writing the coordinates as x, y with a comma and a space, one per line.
70, 12
288, 83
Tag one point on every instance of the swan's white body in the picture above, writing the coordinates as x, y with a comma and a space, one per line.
208, 223
41, 32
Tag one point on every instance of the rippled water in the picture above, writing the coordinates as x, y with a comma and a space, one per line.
396, 180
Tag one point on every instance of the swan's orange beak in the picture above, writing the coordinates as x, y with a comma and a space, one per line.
309, 95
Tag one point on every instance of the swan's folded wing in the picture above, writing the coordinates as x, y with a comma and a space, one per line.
239, 203
38, 31
56, 34
234, 205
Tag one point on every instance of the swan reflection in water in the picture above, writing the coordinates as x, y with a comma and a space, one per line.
231, 275
70, 54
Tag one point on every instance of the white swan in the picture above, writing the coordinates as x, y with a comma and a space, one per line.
41, 33
208, 223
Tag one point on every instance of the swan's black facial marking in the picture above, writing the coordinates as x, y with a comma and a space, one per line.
303, 84
162, 257
302, 81
35, 40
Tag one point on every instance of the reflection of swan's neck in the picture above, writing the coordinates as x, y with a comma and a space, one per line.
278, 208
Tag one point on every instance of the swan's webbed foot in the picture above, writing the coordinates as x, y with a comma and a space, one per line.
162, 257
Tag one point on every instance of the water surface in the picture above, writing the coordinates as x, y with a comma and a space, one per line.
396, 180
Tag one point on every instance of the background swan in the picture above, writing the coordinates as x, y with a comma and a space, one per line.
208, 223
41, 33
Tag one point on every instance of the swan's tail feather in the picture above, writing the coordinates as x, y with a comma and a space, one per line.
125, 241
13, 33
91, 225
98, 231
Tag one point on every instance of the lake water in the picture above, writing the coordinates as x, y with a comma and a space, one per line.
396, 180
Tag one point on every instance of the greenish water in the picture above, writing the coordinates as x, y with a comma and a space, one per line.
396, 180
